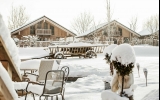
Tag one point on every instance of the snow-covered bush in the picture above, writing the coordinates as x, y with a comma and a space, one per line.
123, 59
107, 52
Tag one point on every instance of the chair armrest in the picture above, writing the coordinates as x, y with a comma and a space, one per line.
31, 74
32, 82
25, 79
38, 83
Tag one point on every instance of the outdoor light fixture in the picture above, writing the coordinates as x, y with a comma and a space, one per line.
145, 74
138, 66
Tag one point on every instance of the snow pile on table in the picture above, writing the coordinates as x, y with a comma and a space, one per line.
79, 44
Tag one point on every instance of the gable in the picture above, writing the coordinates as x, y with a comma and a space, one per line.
100, 27
44, 18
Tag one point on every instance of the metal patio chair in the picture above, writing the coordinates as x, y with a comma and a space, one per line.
45, 66
54, 84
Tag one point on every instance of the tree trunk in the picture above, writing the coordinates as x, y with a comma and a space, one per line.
122, 85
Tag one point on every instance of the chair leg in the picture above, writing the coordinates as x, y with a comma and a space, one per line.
62, 96
33, 96
56, 97
47, 98
40, 97
63, 92
51, 97
26, 95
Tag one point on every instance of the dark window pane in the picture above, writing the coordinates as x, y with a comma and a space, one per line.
32, 30
45, 25
39, 25
120, 31
52, 30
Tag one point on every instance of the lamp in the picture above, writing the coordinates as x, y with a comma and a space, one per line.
145, 74
138, 66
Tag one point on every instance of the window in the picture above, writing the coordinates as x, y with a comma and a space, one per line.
120, 31
45, 25
32, 30
126, 40
39, 25
52, 30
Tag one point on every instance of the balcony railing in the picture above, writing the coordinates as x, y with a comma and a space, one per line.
43, 32
116, 34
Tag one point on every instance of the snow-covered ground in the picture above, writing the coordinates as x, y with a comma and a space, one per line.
95, 70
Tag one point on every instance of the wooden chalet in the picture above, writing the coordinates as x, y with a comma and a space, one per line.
119, 33
149, 38
45, 28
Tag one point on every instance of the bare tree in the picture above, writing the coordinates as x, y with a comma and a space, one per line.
82, 23
156, 20
18, 17
109, 17
133, 23
95, 35
152, 24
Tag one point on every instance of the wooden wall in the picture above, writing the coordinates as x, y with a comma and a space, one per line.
58, 33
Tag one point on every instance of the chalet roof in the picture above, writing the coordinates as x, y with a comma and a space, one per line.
144, 32
104, 25
38, 20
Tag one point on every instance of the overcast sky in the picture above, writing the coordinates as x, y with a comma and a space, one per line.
64, 11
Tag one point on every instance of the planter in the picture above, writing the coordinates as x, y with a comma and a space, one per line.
107, 86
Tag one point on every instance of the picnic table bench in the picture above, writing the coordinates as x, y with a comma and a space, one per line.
64, 51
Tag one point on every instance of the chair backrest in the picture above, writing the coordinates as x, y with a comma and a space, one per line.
45, 66
54, 85
66, 71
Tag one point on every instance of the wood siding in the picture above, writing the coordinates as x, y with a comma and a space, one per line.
58, 33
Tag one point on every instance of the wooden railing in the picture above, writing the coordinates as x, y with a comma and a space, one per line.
43, 32
116, 34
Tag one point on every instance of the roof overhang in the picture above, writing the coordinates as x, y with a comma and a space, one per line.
114, 21
44, 18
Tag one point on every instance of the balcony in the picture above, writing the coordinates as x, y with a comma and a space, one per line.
43, 32
116, 34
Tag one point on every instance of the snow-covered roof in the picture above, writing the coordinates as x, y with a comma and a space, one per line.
147, 32
144, 32
104, 25
91, 30
38, 20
